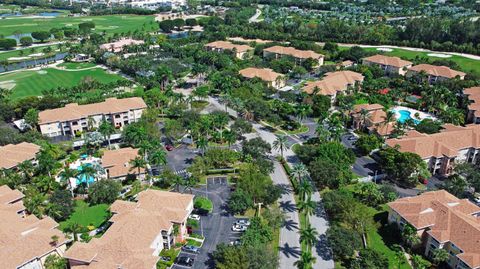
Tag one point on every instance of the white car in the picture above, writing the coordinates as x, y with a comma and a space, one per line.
239, 228
194, 216
243, 222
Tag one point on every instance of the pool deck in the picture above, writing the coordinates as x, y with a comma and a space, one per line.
421, 115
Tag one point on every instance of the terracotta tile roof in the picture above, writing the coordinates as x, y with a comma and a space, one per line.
118, 161
265, 74
228, 46
388, 60
12, 155
74, 111
449, 218
135, 226
118, 45
302, 54
334, 82
375, 118
367, 107
448, 142
23, 239
474, 98
438, 71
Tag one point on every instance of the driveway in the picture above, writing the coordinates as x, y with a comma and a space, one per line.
180, 158
216, 226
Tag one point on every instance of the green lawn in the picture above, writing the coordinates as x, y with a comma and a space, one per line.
467, 65
4, 56
87, 215
203, 203
110, 23
75, 66
32, 83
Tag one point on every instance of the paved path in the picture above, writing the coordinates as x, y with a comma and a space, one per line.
254, 18
288, 241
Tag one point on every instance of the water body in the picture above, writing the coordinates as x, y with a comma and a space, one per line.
32, 63
41, 14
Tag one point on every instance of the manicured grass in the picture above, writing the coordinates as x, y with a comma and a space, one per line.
192, 242
32, 83
86, 215
172, 253
109, 23
4, 56
75, 66
466, 64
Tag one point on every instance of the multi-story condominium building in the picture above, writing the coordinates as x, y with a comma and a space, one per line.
298, 55
26, 240
390, 65
117, 162
334, 83
273, 79
441, 151
138, 233
13, 155
473, 95
118, 46
240, 51
444, 222
76, 118
435, 73
146, 4
371, 117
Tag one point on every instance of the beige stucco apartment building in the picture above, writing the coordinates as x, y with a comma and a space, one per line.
118, 46
441, 151
390, 65
240, 51
271, 78
12, 155
26, 241
298, 55
139, 232
75, 118
442, 221
334, 83
473, 95
117, 162
371, 117
435, 73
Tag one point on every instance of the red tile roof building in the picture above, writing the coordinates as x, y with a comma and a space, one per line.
12, 155
473, 95
298, 55
435, 73
390, 65
373, 119
273, 79
241, 51
334, 83
442, 221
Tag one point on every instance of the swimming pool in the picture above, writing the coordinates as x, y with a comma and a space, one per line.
83, 178
406, 115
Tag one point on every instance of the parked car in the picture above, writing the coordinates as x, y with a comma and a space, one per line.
185, 261
194, 216
239, 228
165, 258
244, 222
169, 147
190, 248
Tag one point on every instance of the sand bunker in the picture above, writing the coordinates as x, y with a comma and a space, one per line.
439, 55
41, 72
8, 84
36, 54
18, 58
384, 49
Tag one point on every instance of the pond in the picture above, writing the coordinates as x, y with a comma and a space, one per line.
41, 14
32, 63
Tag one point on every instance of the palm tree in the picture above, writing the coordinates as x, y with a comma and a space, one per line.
280, 143
87, 172
308, 207
90, 123
306, 260
305, 189
202, 144
158, 157
302, 112
46, 162
189, 183
440, 255
389, 117
74, 228
26, 168
363, 117
299, 171
138, 163
177, 181
230, 137
106, 129
308, 236
68, 173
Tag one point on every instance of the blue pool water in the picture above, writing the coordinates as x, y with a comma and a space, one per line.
83, 178
406, 115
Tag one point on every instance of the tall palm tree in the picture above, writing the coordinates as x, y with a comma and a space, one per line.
27, 169
306, 260
87, 172
308, 236
68, 173
440, 255
138, 163
363, 117
230, 137
308, 207
305, 189
46, 162
189, 183
158, 157
280, 143
106, 129
299, 171
389, 117
74, 228
177, 181
202, 144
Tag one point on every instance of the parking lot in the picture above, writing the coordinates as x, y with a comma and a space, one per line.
216, 226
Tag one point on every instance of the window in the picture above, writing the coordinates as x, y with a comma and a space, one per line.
74, 122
